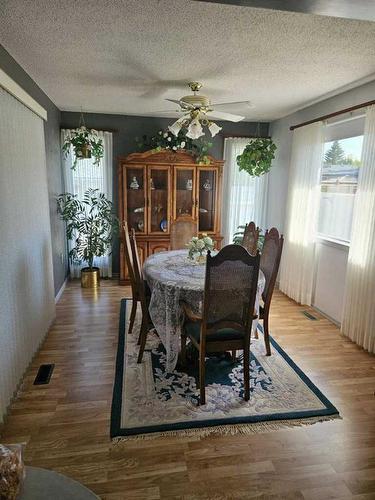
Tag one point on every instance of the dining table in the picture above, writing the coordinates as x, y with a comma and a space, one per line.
173, 277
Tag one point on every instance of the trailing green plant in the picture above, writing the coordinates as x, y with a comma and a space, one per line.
164, 139
82, 139
257, 156
90, 223
239, 234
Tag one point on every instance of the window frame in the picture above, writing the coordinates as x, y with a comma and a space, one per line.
321, 237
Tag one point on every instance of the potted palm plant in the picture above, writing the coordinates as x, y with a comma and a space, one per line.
91, 224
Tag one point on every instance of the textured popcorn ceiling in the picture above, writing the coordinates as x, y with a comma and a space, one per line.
126, 56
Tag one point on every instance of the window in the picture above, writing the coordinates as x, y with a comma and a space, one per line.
339, 177
244, 197
85, 176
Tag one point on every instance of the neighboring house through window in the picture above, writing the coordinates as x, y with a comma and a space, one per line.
339, 177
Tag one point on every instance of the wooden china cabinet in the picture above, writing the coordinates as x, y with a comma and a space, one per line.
157, 187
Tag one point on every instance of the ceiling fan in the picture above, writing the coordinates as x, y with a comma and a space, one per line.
198, 110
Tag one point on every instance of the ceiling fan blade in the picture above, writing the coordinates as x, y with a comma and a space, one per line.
173, 100
183, 106
235, 103
220, 115
171, 113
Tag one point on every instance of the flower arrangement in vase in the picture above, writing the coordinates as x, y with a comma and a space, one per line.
198, 247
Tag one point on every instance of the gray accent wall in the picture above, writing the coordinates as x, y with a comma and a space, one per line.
53, 157
126, 128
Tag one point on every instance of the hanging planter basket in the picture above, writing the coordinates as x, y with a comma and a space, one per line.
86, 144
257, 157
83, 152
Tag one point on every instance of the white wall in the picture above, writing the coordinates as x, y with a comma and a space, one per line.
330, 271
27, 305
278, 186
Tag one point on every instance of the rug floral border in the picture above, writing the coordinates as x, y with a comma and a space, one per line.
117, 432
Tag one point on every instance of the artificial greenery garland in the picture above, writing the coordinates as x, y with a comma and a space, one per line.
164, 139
84, 140
257, 157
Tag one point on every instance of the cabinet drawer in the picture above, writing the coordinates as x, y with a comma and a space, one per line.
157, 246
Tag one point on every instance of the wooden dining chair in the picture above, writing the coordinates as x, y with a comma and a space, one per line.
269, 264
181, 232
146, 324
228, 310
131, 272
250, 238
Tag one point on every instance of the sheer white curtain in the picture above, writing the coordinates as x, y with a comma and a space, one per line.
244, 197
297, 264
359, 303
85, 176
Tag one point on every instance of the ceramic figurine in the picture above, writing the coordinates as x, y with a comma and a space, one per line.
152, 183
207, 185
134, 183
189, 184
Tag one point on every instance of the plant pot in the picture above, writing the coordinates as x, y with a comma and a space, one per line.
83, 152
90, 278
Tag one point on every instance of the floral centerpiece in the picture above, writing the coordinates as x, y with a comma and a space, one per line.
165, 139
198, 246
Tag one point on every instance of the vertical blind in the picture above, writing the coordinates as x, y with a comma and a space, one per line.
27, 305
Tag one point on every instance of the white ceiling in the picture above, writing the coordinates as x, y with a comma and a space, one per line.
125, 56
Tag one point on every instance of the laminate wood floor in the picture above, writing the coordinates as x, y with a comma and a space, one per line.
65, 424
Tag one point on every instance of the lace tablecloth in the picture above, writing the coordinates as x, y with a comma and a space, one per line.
172, 277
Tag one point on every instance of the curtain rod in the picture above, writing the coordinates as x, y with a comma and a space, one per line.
235, 136
111, 130
331, 115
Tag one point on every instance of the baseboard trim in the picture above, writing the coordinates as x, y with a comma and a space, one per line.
327, 316
60, 292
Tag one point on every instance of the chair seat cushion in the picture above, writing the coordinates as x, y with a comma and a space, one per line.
192, 329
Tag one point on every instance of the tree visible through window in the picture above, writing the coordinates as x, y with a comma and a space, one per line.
339, 177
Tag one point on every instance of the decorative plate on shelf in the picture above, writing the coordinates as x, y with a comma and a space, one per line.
164, 225
139, 210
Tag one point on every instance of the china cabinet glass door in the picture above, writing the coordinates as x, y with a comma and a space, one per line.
184, 192
158, 200
207, 179
135, 200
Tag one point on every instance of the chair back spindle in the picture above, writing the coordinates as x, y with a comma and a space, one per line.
230, 289
129, 260
270, 260
250, 238
182, 230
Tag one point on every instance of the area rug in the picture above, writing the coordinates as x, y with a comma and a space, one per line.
150, 402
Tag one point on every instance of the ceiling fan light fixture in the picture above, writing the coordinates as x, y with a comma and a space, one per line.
213, 128
195, 129
176, 127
